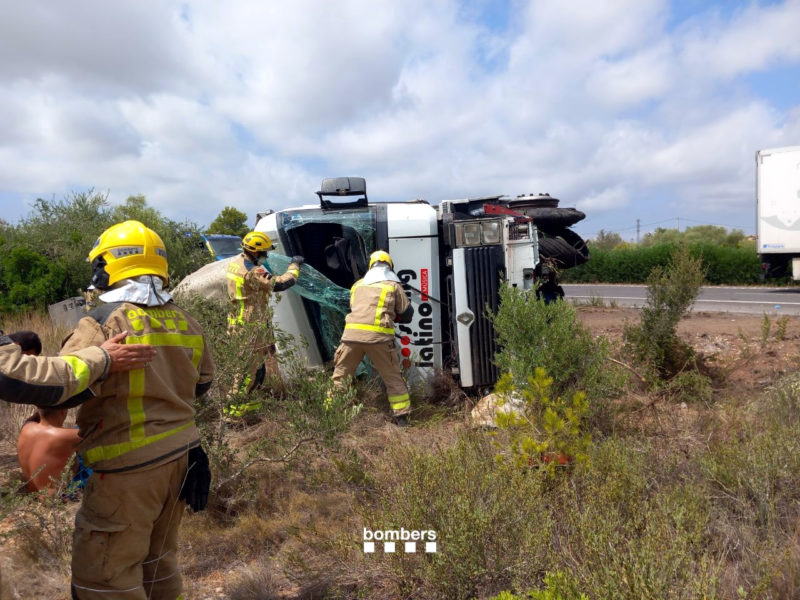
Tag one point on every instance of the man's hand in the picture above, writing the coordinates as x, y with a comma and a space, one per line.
126, 357
298, 260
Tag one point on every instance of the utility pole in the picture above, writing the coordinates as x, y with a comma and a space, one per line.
637, 231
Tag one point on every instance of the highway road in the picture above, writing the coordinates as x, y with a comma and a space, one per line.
752, 300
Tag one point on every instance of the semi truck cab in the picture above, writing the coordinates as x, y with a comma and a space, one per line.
451, 258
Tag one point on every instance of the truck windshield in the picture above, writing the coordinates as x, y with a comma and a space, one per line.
224, 246
337, 244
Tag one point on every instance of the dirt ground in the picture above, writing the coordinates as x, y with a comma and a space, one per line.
752, 352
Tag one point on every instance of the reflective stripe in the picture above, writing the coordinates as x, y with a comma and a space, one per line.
239, 297
94, 455
81, 370
399, 402
379, 329
135, 404
295, 272
239, 410
378, 311
191, 342
376, 326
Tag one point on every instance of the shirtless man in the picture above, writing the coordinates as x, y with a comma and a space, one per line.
44, 447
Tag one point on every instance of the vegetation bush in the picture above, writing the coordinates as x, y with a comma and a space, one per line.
724, 265
300, 409
671, 290
547, 432
533, 334
44, 255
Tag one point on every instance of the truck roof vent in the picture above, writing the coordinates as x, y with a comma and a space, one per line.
343, 186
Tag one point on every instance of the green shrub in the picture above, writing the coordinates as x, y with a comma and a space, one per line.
724, 264
532, 333
294, 406
44, 256
690, 387
557, 586
671, 291
549, 432
490, 520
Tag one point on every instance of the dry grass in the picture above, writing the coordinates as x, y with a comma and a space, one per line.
13, 415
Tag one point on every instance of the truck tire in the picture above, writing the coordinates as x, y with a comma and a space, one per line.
566, 249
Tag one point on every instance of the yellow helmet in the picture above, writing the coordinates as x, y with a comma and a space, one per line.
256, 241
127, 250
380, 256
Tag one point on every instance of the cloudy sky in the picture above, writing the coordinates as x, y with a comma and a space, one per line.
626, 109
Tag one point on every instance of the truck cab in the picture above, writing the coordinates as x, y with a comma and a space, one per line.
451, 258
222, 246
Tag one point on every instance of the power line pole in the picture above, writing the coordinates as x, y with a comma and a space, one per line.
637, 231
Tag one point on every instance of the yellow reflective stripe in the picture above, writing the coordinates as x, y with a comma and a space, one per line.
399, 402
239, 283
81, 371
238, 296
94, 455
295, 272
379, 310
136, 403
192, 342
377, 328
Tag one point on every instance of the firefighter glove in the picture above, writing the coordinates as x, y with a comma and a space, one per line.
198, 480
298, 260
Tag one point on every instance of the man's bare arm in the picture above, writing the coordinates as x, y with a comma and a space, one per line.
126, 357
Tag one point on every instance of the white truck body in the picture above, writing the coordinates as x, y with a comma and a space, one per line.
778, 210
451, 260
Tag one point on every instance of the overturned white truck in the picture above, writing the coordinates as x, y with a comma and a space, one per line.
451, 258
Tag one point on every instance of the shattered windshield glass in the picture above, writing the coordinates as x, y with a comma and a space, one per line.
331, 301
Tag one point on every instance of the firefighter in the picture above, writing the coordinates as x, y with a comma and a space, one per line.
376, 302
138, 432
249, 288
63, 381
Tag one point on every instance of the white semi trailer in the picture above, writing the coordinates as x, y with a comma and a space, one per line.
778, 211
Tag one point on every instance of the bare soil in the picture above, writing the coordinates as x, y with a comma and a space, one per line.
751, 353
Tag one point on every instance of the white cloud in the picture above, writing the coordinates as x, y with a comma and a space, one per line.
201, 105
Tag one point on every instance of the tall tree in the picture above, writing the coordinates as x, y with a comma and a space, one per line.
229, 221
606, 240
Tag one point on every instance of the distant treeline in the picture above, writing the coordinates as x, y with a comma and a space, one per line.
628, 263
43, 257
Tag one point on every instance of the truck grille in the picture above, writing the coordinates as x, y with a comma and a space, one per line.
485, 267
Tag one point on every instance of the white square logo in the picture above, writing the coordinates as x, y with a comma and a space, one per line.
430, 546
388, 547
411, 547
369, 547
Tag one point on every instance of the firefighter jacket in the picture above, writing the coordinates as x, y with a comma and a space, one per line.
374, 308
49, 380
250, 286
144, 417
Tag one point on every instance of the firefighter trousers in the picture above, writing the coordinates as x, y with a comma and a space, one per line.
384, 357
126, 535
